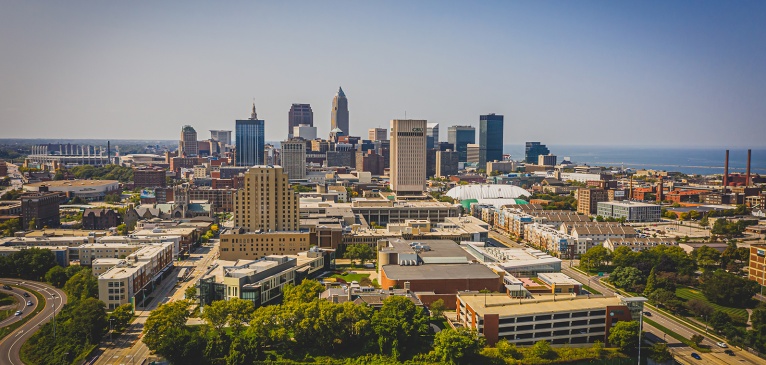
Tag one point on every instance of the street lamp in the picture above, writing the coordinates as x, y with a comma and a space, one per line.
111, 320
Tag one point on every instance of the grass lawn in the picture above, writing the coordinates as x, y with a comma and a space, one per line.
6, 299
440, 322
349, 277
688, 293
591, 290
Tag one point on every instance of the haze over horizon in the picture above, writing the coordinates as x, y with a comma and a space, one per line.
564, 73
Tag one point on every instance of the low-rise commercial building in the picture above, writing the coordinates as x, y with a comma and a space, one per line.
558, 319
261, 281
84, 189
519, 262
133, 279
630, 211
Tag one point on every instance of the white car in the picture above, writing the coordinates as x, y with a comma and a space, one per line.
722, 344
18, 313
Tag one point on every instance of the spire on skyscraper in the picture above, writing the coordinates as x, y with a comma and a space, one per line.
253, 115
341, 93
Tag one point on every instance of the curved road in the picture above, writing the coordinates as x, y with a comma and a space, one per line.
55, 300
21, 304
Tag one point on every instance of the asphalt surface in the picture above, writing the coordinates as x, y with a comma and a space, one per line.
21, 304
55, 300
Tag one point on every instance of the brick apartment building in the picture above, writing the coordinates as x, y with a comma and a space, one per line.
148, 177
99, 219
588, 199
42, 207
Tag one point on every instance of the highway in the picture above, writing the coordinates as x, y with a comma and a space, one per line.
21, 304
55, 300
128, 348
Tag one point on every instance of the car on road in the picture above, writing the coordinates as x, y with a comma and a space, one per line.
696, 356
722, 344
29, 303
648, 314
729, 352
18, 313
7, 287
26, 295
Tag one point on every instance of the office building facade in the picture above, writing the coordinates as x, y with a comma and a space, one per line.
299, 114
187, 145
408, 156
432, 135
221, 136
294, 158
534, 149
490, 138
546, 160
250, 134
587, 200
460, 136
378, 134
266, 202
446, 163
339, 118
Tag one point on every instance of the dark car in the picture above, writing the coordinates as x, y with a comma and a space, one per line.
696, 356
26, 295
7, 287
729, 352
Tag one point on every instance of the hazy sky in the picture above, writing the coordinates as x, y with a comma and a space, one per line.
690, 73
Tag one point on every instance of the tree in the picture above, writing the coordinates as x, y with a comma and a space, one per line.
437, 308
190, 293
706, 257
399, 325
457, 346
122, 229
727, 289
240, 312
165, 333
595, 258
82, 285
696, 339
543, 350
625, 336
216, 314
56, 276
698, 307
121, 317
659, 352
359, 252
625, 256
32, 224
305, 292
626, 277
666, 298
651, 282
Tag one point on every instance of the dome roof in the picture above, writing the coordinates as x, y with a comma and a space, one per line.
486, 191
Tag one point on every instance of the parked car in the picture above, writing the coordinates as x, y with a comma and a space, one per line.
722, 344
696, 356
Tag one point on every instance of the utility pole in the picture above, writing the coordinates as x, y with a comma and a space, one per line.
640, 328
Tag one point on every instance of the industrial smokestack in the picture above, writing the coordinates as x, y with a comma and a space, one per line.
747, 178
726, 171
659, 194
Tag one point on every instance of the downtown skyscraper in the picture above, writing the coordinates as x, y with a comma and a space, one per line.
250, 135
490, 138
460, 136
339, 117
408, 156
300, 114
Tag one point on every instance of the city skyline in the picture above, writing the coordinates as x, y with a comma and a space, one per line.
564, 73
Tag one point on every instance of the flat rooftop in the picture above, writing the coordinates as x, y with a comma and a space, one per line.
439, 272
73, 183
628, 204
506, 306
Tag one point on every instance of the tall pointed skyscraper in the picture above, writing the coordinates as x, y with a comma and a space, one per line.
340, 112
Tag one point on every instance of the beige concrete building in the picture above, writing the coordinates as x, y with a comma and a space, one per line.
241, 245
377, 134
588, 199
408, 156
92, 251
267, 202
138, 271
294, 158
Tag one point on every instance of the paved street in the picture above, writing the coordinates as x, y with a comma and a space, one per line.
128, 348
715, 357
503, 239
55, 300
